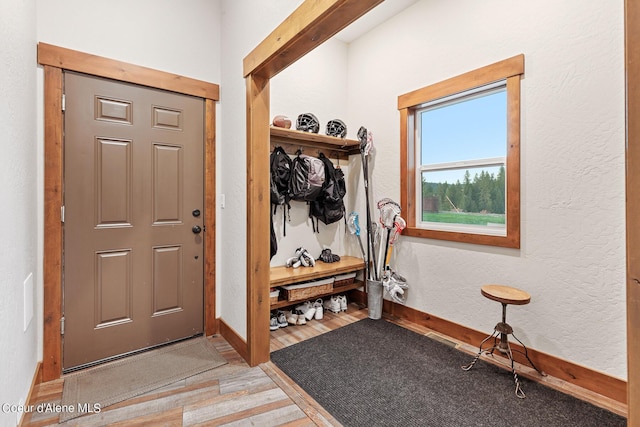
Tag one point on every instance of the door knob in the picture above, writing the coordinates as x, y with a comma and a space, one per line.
196, 229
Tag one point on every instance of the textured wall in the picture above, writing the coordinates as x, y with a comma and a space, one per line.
162, 34
572, 258
18, 185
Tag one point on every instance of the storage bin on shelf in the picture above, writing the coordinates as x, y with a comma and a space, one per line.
308, 290
344, 279
274, 293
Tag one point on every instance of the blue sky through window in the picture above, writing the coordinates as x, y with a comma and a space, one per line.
470, 129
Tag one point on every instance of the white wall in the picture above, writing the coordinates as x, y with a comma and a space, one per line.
18, 188
244, 25
180, 38
572, 257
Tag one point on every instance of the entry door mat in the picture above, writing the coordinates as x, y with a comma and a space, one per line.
135, 375
375, 373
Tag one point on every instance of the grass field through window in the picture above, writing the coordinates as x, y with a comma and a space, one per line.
463, 218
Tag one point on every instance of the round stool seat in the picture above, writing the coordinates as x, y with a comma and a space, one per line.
505, 294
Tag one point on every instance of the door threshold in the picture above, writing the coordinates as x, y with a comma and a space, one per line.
124, 355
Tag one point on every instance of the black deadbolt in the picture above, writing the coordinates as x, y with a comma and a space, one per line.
196, 212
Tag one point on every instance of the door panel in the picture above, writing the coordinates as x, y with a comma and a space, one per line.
113, 287
168, 170
167, 280
133, 268
113, 191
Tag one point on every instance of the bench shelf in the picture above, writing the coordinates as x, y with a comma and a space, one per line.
282, 275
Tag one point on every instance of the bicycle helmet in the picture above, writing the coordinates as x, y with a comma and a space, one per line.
336, 128
307, 122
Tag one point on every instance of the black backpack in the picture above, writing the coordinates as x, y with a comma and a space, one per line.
329, 206
280, 176
274, 242
307, 178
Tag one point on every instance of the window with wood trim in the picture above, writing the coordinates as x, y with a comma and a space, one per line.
460, 157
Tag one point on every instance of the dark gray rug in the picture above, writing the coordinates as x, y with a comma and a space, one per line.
375, 373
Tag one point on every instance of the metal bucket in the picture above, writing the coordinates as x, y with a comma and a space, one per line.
374, 298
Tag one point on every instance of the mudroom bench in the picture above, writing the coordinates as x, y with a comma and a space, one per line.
284, 276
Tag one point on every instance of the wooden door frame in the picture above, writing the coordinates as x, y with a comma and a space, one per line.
632, 71
55, 60
311, 24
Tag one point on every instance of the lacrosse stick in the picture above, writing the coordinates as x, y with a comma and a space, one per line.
366, 145
354, 228
381, 238
398, 225
389, 210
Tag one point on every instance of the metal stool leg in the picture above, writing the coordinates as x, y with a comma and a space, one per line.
475, 359
519, 391
502, 331
526, 354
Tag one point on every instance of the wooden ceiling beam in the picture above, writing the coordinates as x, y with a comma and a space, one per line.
311, 24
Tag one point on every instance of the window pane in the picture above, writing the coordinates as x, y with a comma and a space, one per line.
467, 128
472, 196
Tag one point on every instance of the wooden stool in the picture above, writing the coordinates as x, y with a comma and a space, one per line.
504, 295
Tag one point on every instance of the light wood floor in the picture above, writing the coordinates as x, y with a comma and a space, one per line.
236, 394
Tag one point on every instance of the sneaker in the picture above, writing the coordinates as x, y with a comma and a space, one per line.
273, 323
307, 309
301, 319
282, 319
292, 319
342, 299
318, 306
332, 304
